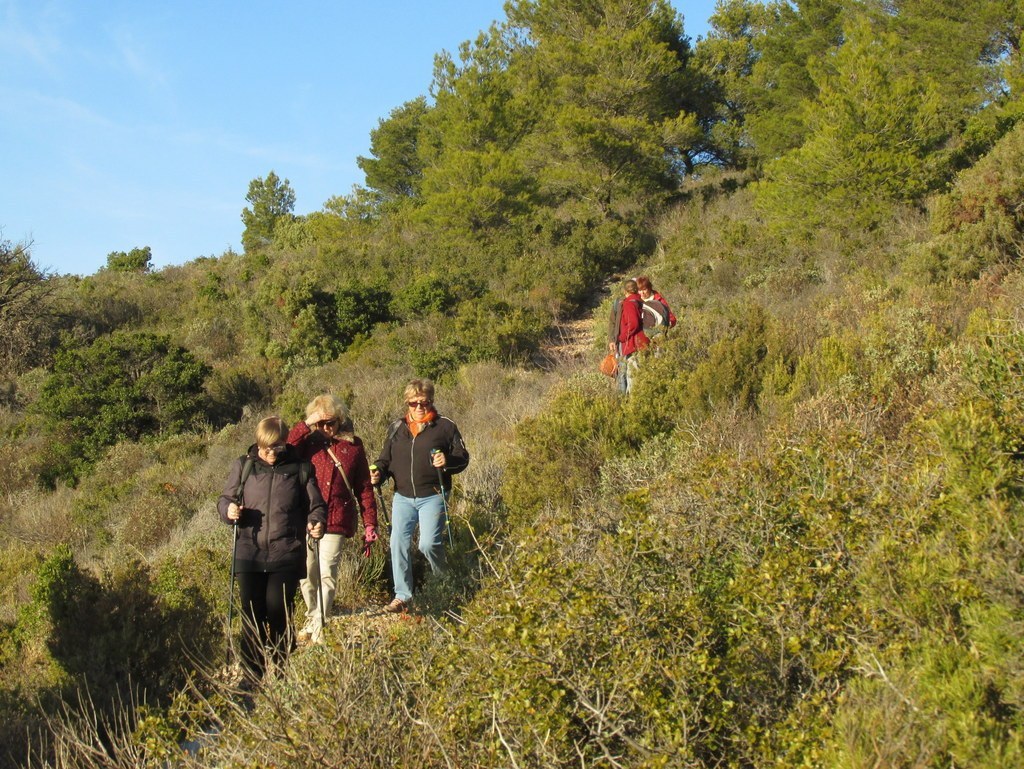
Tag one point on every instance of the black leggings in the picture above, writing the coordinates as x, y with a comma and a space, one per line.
267, 603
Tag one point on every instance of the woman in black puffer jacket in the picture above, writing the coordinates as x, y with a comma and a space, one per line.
272, 496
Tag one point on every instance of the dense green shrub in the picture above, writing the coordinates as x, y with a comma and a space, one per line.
978, 224
232, 389
122, 387
437, 291
136, 260
105, 639
558, 453
697, 369
540, 672
944, 681
482, 329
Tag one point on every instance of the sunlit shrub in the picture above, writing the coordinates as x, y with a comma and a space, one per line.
979, 224
944, 682
484, 329
558, 453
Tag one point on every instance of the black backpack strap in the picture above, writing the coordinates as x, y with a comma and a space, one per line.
246, 472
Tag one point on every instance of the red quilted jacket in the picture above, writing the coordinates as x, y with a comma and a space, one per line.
341, 509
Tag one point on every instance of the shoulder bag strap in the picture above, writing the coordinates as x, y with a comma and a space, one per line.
344, 477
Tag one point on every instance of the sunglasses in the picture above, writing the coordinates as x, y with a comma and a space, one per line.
327, 423
278, 449
418, 404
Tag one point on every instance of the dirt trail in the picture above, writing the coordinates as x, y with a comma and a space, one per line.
571, 342
568, 344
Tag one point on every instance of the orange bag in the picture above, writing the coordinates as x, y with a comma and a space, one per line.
610, 365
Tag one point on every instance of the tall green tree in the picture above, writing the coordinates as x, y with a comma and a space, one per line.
726, 58
25, 312
272, 201
795, 37
874, 136
890, 119
970, 48
615, 135
474, 177
615, 76
395, 169
136, 260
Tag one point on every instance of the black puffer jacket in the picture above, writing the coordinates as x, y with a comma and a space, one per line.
407, 459
277, 505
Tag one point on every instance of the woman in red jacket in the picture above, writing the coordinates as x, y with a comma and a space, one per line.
626, 334
325, 438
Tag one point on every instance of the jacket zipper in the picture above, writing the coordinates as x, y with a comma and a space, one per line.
266, 523
412, 466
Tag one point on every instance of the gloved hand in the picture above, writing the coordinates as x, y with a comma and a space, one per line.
370, 534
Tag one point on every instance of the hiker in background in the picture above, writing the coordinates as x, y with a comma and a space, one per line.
657, 313
272, 496
326, 439
626, 334
421, 452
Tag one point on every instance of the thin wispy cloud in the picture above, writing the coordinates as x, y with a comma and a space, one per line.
31, 106
131, 57
32, 32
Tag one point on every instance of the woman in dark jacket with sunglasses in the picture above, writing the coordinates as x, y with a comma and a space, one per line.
422, 451
271, 495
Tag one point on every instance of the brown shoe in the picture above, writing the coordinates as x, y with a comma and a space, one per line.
397, 606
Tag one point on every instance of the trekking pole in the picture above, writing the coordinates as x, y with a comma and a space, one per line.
231, 587
320, 586
444, 501
380, 500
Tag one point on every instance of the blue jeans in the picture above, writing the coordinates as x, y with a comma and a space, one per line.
627, 370
406, 512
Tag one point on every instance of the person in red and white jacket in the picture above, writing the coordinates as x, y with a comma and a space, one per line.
325, 438
647, 291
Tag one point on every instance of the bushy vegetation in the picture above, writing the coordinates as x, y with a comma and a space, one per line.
795, 543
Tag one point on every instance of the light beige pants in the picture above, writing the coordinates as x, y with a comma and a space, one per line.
321, 575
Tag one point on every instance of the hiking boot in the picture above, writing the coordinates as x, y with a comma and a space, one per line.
397, 606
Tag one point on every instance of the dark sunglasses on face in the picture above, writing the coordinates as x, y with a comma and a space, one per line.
278, 449
418, 404
327, 423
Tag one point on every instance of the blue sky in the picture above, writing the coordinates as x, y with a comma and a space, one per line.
132, 123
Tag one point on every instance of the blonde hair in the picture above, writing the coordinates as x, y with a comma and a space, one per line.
271, 431
419, 388
329, 406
